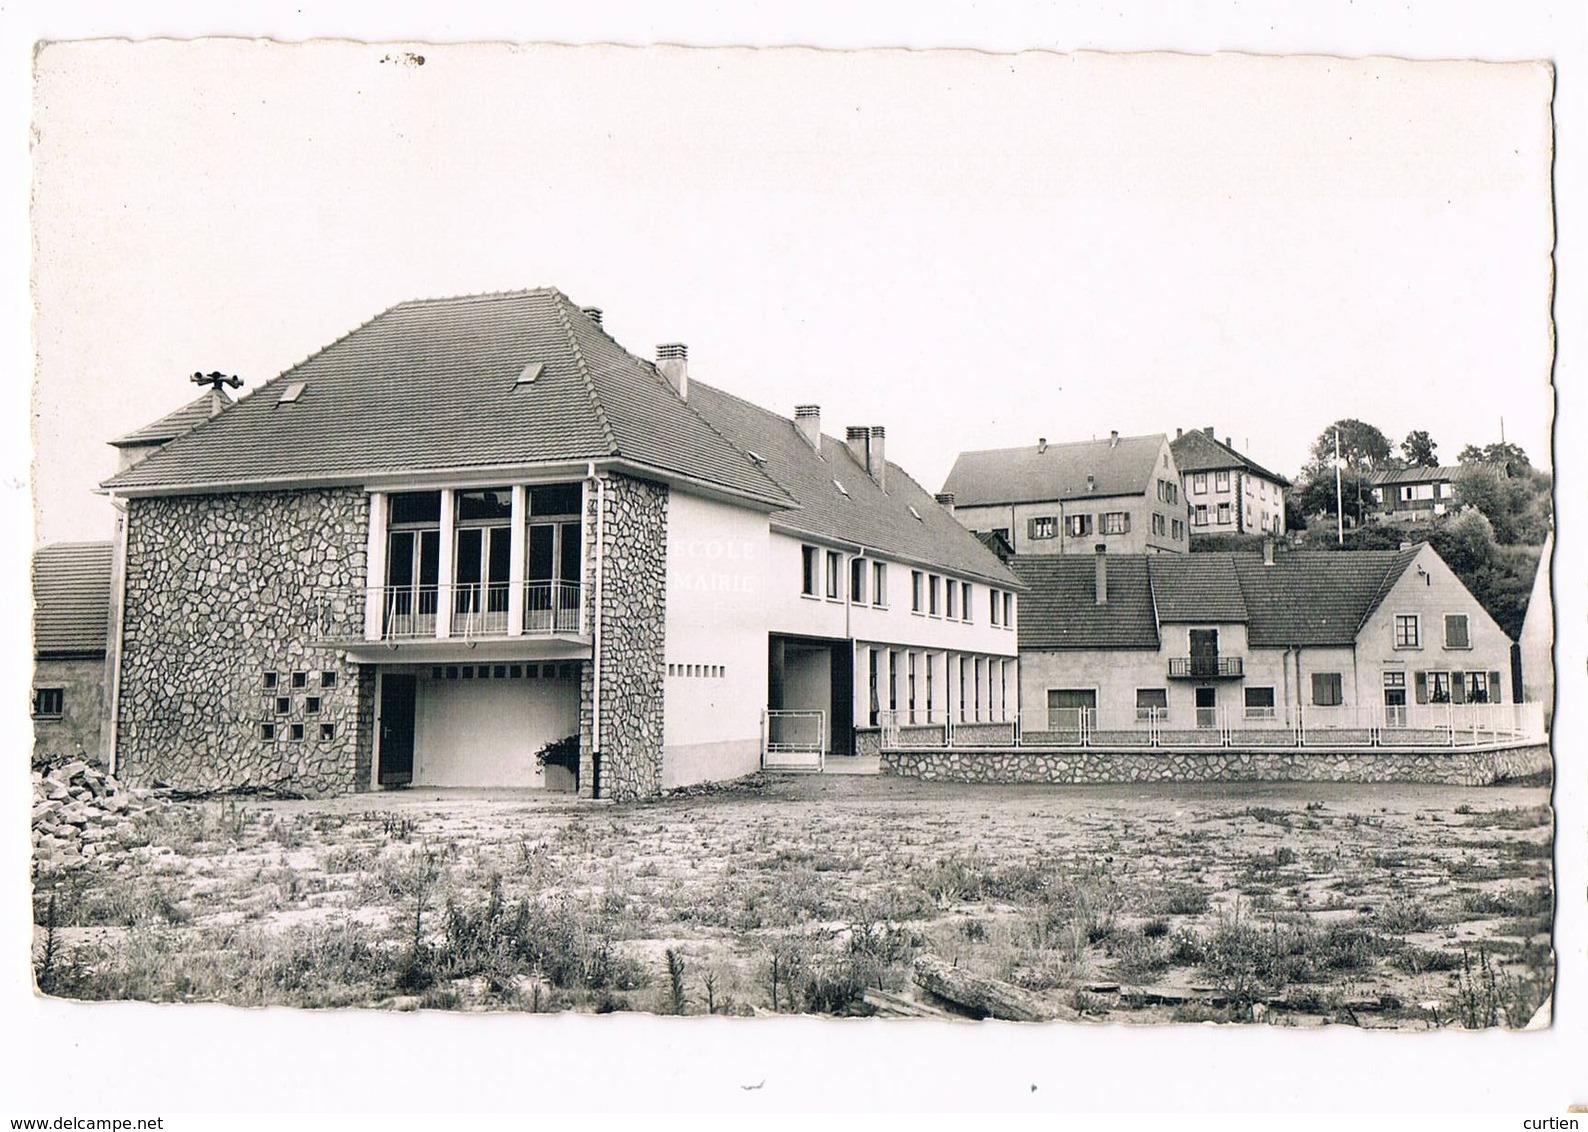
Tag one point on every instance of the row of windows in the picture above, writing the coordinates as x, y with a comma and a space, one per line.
1168, 491
915, 687
1221, 482
930, 594
504, 671
1441, 687
311, 705
299, 680
1409, 631
295, 732
709, 671
1080, 525
1172, 528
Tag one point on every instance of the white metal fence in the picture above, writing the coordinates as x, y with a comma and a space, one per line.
1409, 726
793, 740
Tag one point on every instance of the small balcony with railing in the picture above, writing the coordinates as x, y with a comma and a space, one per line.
476, 611
1206, 668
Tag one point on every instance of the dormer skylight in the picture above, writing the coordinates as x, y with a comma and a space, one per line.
757, 457
530, 373
292, 392
842, 490
917, 515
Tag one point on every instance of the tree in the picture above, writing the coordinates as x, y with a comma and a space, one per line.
1315, 496
1510, 457
1418, 450
1363, 448
1483, 487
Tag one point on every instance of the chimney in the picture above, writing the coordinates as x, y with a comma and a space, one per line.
808, 420
1113, 438
1102, 574
1178, 433
858, 437
1042, 445
1207, 430
672, 358
1268, 552
593, 314
1227, 443
877, 456
946, 499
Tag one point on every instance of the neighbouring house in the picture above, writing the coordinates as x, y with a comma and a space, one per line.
1412, 494
1225, 492
1250, 643
1537, 640
1051, 499
474, 528
71, 627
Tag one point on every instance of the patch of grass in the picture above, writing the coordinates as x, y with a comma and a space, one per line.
1521, 817
1178, 899
1510, 902
1403, 915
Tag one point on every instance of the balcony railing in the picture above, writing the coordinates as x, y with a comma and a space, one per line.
477, 610
1205, 667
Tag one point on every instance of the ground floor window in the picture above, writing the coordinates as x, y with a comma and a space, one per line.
1151, 703
1327, 689
49, 703
1260, 703
1070, 709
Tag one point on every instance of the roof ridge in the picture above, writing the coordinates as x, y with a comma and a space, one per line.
481, 296
558, 300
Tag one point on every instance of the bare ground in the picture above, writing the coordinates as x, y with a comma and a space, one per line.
1388, 906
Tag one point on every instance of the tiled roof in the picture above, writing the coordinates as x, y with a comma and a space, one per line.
1196, 451
1309, 598
1060, 609
432, 386
1196, 587
71, 592
1315, 597
862, 514
1032, 475
175, 424
1443, 474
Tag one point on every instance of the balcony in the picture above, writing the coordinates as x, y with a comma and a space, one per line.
475, 612
1206, 668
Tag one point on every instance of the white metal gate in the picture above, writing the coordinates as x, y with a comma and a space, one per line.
793, 740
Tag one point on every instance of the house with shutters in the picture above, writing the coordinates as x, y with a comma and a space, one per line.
1123, 493
1412, 494
71, 629
478, 527
1256, 644
1225, 491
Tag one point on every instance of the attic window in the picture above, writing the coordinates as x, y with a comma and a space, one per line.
531, 372
292, 392
757, 457
917, 515
842, 490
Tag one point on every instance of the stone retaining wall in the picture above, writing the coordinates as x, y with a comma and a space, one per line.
633, 640
1454, 767
222, 589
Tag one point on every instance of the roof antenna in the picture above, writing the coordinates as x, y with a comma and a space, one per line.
216, 380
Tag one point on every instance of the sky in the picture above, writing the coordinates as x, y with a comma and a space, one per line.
973, 250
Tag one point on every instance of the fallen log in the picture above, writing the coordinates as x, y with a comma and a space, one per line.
981, 996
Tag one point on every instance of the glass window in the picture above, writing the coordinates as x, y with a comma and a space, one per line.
1456, 636
1078, 525
555, 499
415, 507
1118, 523
491, 504
49, 701
1151, 703
1043, 526
1326, 689
1009, 611
952, 612
1259, 703
992, 606
857, 581
835, 573
1224, 512
1199, 483
934, 602
879, 584
1407, 634
1221, 481
964, 600
809, 580
917, 591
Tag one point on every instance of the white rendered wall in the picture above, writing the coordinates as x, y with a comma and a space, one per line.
485, 733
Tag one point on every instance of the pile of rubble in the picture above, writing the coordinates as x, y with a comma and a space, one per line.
82, 815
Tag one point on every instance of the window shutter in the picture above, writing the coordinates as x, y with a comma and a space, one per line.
1127, 523
1458, 687
1031, 528
1422, 687
1495, 695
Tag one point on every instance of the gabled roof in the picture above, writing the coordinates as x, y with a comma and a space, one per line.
1199, 451
1059, 610
1318, 597
904, 522
71, 592
1307, 598
1060, 471
175, 424
1443, 474
1196, 587
433, 386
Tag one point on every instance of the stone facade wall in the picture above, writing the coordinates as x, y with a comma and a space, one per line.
633, 640
222, 589
77, 732
1453, 767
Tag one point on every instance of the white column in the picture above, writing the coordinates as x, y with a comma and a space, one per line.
375, 562
861, 690
518, 534
444, 596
